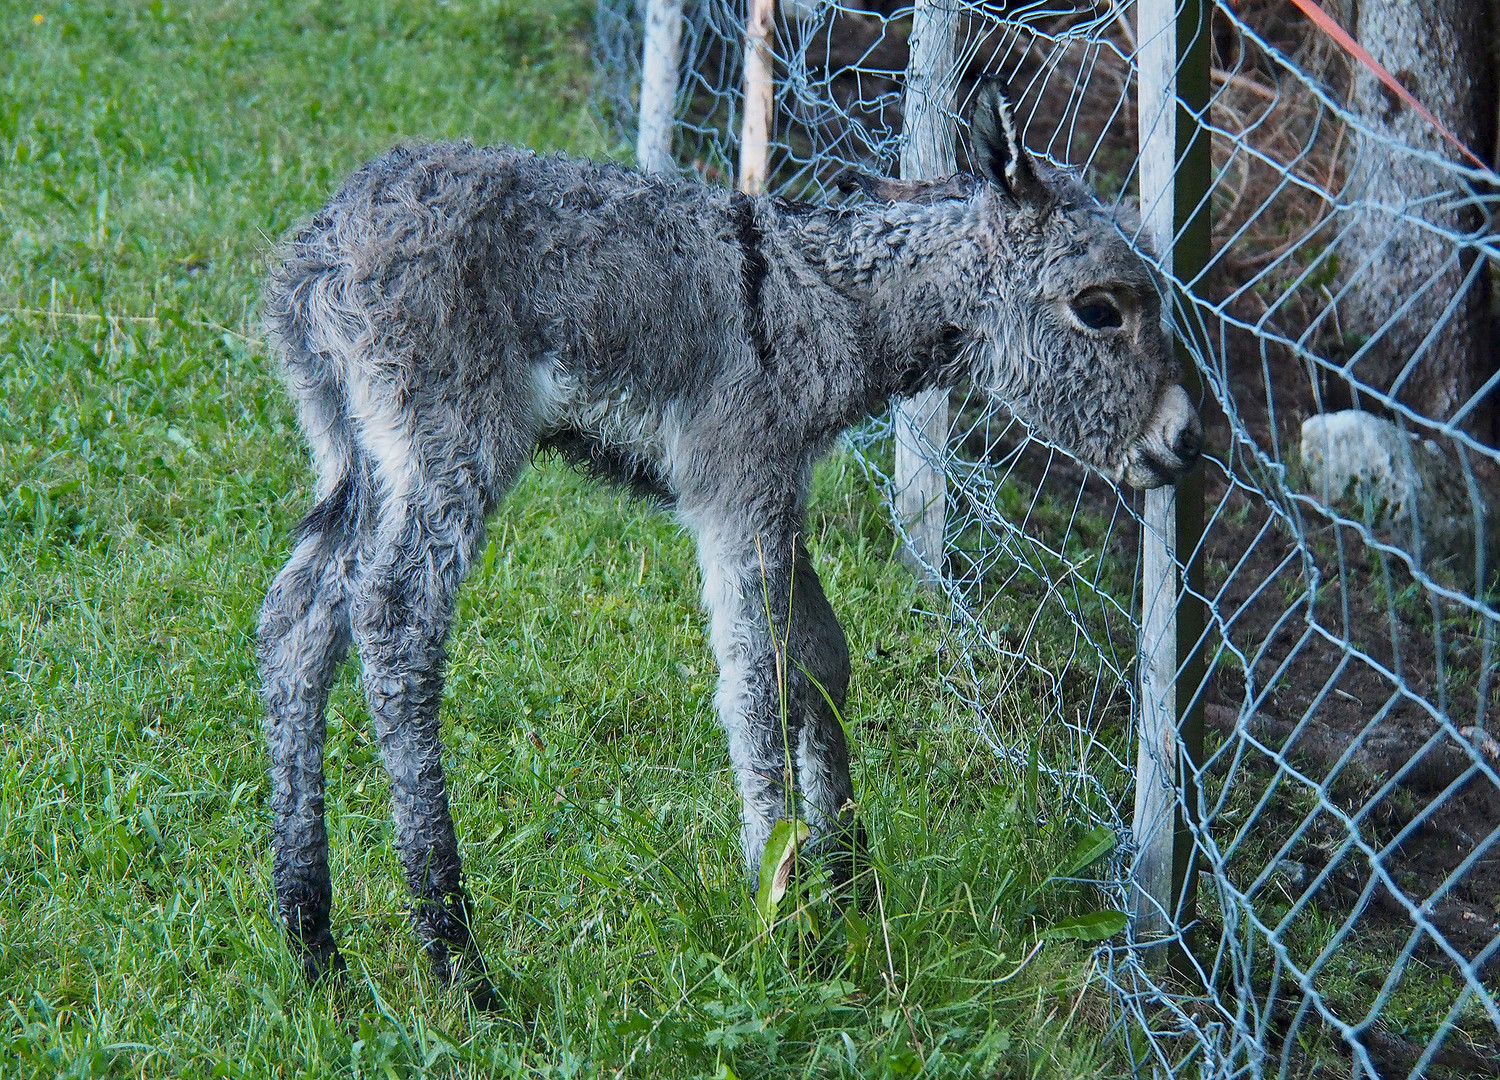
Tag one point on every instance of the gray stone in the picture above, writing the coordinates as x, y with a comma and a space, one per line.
1366, 468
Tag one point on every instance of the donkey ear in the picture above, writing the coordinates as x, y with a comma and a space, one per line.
998, 151
876, 187
884, 189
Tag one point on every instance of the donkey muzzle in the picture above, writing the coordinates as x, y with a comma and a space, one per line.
1169, 446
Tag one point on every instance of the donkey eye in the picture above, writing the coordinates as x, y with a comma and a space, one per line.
1098, 315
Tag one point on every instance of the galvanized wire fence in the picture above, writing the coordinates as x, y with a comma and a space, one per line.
1334, 774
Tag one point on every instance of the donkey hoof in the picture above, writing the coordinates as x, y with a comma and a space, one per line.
483, 995
844, 853
446, 963
466, 969
459, 964
323, 961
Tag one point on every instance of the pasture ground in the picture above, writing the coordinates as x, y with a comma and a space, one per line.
152, 476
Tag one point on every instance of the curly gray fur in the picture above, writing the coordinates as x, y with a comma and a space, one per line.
454, 308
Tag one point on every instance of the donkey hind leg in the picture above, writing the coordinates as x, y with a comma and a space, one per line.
400, 620
303, 637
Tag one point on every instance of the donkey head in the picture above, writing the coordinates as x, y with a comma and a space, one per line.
1072, 337
1064, 315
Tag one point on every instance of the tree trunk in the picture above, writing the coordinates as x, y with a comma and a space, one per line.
1413, 293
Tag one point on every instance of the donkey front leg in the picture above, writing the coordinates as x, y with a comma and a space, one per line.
400, 621
783, 673
820, 660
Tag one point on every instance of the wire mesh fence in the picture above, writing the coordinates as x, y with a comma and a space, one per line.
1343, 810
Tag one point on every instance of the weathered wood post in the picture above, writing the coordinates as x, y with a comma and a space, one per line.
921, 422
1173, 82
759, 96
660, 57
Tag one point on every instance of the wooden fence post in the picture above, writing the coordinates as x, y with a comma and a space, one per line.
660, 56
1172, 77
921, 422
759, 97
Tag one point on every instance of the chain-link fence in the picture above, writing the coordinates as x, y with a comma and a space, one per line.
1343, 808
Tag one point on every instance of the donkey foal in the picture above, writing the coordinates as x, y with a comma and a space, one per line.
452, 309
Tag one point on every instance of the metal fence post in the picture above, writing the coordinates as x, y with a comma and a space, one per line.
926, 153
660, 57
1173, 74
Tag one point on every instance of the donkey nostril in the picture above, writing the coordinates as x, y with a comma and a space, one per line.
1189, 442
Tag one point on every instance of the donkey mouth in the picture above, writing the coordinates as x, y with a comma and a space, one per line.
1148, 469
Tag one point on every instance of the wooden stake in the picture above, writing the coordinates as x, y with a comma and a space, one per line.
921, 422
660, 57
759, 98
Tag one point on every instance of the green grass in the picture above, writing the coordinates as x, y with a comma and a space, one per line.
152, 475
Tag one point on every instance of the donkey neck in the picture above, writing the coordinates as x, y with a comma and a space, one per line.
917, 275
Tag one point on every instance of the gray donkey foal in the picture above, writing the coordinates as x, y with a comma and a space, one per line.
452, 309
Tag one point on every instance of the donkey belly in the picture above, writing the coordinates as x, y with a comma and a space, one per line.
618, 465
